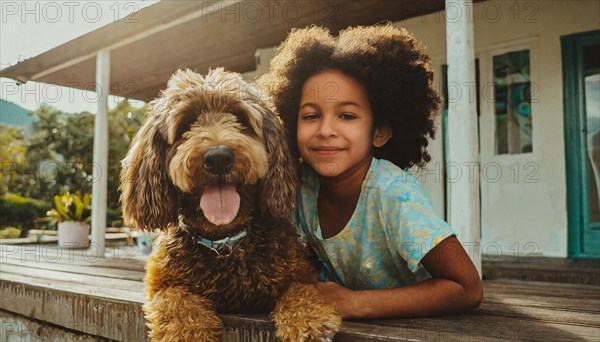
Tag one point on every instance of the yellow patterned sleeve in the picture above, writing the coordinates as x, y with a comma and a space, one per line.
413, 227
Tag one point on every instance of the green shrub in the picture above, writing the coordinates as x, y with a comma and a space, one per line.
10, 233
20, 211
114, 217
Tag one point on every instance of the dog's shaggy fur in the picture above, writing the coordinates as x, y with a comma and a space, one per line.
163, 179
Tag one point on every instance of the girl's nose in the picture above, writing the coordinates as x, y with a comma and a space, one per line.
327, 128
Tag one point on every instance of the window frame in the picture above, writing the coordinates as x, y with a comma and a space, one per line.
487, 105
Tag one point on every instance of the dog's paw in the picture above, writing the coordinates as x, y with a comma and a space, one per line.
308, 327
175, 314
302, 315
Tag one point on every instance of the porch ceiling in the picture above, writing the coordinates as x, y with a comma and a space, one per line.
149, 46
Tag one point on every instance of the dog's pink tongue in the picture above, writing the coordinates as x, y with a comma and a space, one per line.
220, 203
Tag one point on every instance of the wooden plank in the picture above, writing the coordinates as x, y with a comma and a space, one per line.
550, 303
539, 262
421, 332
540, 314
29, 240
574, 277
106, 272
476, 327
358, 331
99, 316
123, 320
586, 333
129, 295
540, 284
543, 269
20, 328
507, 286
75, 279
511, 310
481, 327
53, 238
134, 233
128, 258
247, 327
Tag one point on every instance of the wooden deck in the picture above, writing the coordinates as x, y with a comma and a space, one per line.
52, 294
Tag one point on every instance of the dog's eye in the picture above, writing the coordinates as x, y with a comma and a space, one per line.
243, 121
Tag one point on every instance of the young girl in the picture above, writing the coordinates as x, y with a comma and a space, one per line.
359, 108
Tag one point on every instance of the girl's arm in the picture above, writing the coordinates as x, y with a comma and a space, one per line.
455, 287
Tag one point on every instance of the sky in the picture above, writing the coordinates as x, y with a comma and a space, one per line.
29, 28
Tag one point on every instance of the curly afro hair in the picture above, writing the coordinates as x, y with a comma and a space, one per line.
387, 61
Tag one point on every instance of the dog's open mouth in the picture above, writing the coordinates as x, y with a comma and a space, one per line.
220, 203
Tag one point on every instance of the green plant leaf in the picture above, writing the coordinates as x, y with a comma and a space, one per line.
78, 204
62, 211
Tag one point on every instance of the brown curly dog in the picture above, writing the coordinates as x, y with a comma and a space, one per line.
211, 172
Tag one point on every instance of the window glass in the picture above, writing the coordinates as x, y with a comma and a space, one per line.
512, 99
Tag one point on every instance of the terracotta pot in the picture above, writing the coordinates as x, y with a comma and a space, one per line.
73, 234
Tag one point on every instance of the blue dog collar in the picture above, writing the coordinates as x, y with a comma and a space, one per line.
224, 247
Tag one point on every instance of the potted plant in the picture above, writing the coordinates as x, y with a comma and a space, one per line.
73, 214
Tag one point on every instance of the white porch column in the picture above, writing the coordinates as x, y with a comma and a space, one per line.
462, 127
100, 173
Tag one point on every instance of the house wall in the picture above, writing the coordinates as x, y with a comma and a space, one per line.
523, 196
524, 210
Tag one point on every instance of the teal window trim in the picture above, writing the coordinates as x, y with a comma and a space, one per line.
575, 156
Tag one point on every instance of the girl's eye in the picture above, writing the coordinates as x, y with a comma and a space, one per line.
347, 116
310, 117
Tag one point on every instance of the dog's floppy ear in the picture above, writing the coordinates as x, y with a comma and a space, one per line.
149, 198
278, 194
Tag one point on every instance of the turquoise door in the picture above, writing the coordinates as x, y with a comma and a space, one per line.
581, 71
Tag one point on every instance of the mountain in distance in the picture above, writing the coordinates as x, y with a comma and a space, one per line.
14, 115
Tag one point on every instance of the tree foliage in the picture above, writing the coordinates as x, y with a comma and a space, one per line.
58, 156
12, 152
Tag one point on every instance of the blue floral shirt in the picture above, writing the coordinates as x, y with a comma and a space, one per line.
391, 230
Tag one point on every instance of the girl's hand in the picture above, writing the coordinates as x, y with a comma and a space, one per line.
342, 298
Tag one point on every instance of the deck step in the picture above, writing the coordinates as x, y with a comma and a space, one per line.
543, 269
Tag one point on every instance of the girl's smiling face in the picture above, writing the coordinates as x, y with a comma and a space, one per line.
335, 125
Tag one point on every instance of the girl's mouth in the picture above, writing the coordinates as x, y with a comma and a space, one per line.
327, 150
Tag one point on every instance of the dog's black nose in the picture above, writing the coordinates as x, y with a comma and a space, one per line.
218, 160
